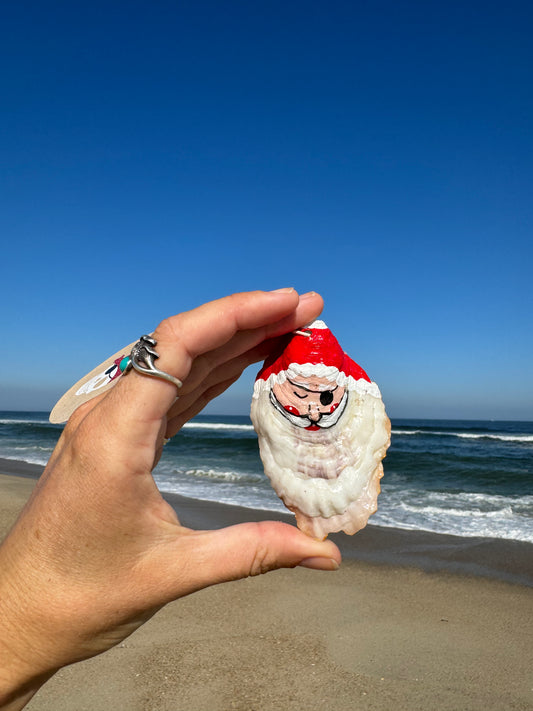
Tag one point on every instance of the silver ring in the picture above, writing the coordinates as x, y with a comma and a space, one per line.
142, 358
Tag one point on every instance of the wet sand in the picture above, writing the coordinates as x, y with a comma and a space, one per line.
410, 621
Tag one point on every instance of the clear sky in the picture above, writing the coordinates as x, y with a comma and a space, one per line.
156, 155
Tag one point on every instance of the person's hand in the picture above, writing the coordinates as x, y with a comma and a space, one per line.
97, 551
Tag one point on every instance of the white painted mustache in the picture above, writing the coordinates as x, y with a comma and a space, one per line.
324, 422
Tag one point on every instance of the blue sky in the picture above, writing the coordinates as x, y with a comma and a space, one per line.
155, 156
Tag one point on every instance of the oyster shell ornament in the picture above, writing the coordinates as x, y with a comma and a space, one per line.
323, 432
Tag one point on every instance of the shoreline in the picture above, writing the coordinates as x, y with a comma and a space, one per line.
506, 560
377, 634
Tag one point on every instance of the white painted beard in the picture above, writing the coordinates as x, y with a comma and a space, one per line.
328, 477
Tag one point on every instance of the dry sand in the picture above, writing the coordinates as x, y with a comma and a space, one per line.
371, 636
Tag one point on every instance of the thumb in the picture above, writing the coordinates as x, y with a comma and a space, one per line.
247, 549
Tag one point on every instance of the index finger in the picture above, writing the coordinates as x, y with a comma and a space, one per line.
182, 338
213, 324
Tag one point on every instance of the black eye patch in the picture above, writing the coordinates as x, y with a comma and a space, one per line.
326, 398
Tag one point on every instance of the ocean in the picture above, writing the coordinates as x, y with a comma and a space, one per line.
462, 477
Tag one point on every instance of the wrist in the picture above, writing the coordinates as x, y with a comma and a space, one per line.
20, 678
24, 667
14, 698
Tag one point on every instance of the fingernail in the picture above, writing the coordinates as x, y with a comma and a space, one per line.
319, 563
309, 295
285, 290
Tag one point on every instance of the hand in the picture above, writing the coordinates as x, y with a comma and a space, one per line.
97, 551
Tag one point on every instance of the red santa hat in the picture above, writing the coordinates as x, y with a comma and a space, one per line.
312, 351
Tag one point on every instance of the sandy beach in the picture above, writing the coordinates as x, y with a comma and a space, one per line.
410, 621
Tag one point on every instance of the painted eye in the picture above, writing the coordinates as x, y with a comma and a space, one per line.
326, 398
302, 397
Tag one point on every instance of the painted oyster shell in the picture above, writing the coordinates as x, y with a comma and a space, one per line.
322, 431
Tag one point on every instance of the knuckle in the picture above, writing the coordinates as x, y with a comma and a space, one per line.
264, 559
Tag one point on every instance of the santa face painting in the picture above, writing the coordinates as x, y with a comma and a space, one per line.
312, 403
322, 432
